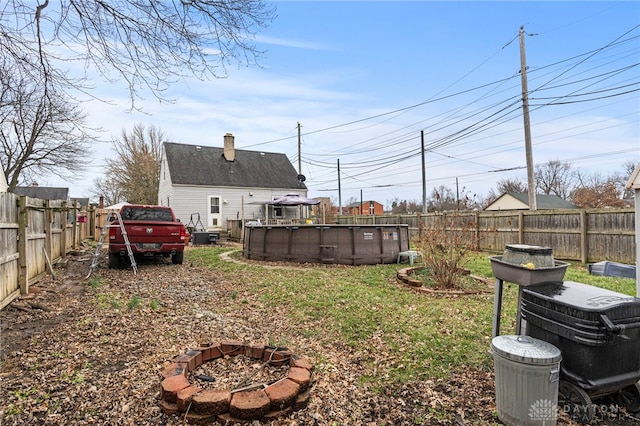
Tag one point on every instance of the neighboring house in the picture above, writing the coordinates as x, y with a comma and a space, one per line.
217, 184
520, 201
3, 183
82, 202
43, 192
365, 208
634, 183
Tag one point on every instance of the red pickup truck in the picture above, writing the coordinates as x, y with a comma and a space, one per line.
151, 230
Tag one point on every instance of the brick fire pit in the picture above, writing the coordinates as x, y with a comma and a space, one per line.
201, 406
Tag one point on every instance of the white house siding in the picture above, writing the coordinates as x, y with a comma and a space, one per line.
507, 202
3, 183
188, 200
191, 200
165, 189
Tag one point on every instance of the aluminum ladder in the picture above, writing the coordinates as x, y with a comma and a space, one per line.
107, 225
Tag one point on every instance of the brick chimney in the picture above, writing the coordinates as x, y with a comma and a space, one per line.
229, 149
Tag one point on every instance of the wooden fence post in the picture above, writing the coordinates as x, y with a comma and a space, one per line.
520, 227
74, 231
91, 222
23, 223
63, 237
48, 228
583, 237
477, 228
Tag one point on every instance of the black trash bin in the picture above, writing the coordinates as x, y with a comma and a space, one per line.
598, 334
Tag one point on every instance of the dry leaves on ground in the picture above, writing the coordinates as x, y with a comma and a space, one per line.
76, 354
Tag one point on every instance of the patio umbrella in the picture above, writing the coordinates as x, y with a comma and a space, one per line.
293, 199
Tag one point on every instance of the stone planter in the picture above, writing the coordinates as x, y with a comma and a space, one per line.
407, 276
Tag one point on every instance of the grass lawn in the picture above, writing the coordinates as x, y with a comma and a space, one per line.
429, 336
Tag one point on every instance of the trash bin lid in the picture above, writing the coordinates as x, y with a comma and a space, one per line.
525, 248
526, 349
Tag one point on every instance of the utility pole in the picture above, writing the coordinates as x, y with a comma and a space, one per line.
299, 151
339, 190
424, 174
527, 126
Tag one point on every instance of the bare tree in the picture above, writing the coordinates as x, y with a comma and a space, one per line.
502, 187
42, 132
622, 178
146, 44
405, 207
136, 169
511, 185
554, 177
442, 199
596, 191
108, 189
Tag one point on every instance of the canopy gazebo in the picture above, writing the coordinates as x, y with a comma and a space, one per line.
291, 199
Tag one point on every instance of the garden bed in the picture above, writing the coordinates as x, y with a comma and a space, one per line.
413, 277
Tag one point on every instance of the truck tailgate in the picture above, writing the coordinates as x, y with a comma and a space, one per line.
153, 232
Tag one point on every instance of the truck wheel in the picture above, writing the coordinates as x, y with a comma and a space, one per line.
114, 260
177, 258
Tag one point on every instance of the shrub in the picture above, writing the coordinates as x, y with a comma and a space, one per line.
446, 245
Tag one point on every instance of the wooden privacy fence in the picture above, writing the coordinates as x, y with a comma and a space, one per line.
573, 234
34, 234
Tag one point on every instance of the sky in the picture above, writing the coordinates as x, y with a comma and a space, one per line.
366, 79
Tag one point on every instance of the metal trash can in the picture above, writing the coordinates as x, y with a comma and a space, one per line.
526, 379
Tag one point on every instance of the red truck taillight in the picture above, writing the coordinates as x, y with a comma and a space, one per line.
112, 233
184, 236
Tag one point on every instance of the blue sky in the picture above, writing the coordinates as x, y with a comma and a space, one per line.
363, 79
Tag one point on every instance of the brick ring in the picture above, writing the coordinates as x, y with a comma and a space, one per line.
180, 397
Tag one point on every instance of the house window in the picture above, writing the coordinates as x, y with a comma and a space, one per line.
277, 211
372, 208
214, 208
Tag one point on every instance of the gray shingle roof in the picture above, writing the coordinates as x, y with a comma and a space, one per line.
206, 166
544, 201
43, 192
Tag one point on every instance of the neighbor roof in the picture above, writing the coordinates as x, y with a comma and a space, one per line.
206, 166
358, 203
634, 179
84, 202
43, 192
543, 201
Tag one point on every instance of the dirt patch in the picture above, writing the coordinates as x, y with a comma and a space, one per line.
77, 354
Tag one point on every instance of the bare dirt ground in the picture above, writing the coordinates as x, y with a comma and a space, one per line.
76, 354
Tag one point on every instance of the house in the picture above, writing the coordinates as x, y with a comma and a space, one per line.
520, 201
82, 201
43, 192
365, 208
634, 183
3, 183
210, 185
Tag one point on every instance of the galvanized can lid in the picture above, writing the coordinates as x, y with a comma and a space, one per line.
525, 248
526, 349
